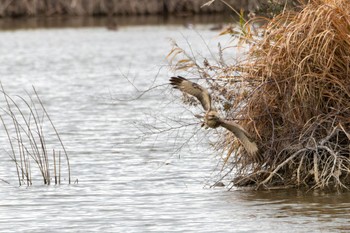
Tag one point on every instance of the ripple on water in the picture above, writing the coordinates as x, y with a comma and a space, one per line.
128, 181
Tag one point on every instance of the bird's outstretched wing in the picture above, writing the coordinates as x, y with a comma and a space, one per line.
193, 89
242, 135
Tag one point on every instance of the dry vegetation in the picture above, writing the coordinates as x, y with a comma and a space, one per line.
293, 93
104, 7
23, 123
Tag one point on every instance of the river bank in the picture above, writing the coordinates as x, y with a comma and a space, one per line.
11, 8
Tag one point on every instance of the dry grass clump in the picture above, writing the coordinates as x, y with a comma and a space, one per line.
299, 101
293, 93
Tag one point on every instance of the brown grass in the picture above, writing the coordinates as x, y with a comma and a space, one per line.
293, 93
108, 7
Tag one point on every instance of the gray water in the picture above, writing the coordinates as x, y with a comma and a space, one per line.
126, 178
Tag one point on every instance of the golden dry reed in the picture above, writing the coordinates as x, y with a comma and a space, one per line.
292, 92
105, 7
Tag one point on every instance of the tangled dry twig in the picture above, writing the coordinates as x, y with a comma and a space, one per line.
293, 93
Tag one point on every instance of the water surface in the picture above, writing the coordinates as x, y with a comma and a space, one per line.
130, 180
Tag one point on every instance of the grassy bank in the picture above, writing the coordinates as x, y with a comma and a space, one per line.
10, 8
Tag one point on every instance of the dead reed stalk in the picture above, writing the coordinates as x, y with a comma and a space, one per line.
23, 122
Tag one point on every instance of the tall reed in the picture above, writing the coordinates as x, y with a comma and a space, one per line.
24, 124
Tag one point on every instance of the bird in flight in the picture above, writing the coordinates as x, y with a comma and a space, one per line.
211, 118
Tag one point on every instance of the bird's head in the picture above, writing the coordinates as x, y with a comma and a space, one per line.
212, 115
212, 119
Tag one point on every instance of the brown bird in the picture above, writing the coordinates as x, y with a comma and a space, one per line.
211, 118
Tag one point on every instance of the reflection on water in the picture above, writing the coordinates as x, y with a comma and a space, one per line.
68, 21
129, 181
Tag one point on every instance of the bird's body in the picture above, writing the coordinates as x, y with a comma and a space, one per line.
211, 118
